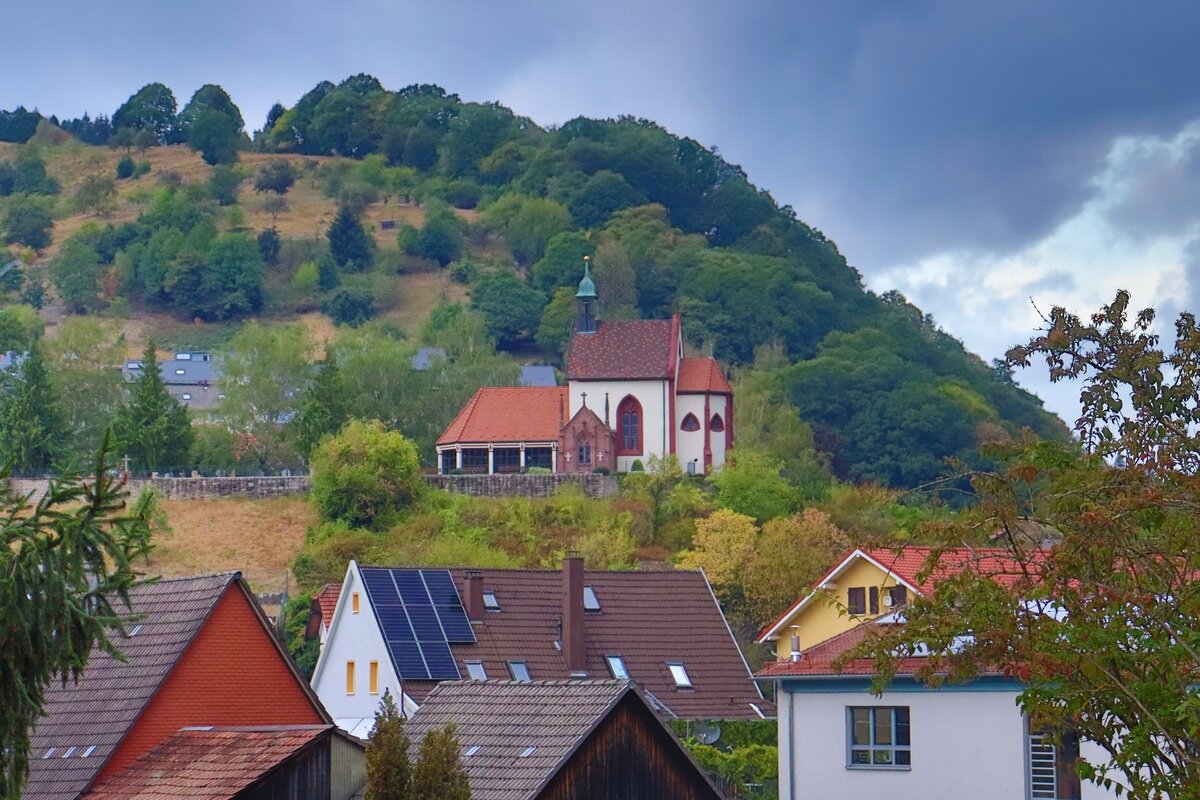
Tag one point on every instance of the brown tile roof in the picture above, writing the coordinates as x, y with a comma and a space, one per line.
647, 618
85, 721
509, 414
701, 376
327, 601
504, 719
207, 764
626, 349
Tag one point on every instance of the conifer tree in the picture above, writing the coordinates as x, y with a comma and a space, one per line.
349, 243
388, 770
438, 773
153, 428
32, 428
324, 409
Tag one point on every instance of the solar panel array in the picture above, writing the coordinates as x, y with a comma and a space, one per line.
421, 615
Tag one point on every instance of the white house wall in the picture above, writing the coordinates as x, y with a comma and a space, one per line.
353, 637
655, 399
963, 744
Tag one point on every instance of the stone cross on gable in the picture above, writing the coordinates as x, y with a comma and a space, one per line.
584, 396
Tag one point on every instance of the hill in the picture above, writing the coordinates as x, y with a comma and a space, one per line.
446, 201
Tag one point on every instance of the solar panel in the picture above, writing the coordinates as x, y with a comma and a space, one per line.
406, 656
456, 625
440, 661
412, 588
425, 623
394, 622
380, 586
441, 587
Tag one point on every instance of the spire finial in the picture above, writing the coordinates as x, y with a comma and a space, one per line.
587, 288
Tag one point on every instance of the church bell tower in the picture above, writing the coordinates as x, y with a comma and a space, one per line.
585, 321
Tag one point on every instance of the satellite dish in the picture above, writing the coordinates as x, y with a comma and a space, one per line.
708, 732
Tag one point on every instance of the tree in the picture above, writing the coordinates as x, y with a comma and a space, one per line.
223, 184
438, 773
365, 474
752, 483
266, 373
1103, 629
152, 428
32, 431
82, 358
275, 205
527, 223
510, 306
554, 330
20, 327
388, 770
151, 108
350, 305
223, 283
69, 564
324, 409
216, 136
724, 542
76, 272
28, 222
440, 238
125, 167
95, 193
791, 555
349, 243
269, 244
208, 98
277, 176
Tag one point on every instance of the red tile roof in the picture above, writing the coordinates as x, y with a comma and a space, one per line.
701, 376
509, 414
647, 618
86, 720
205, 764
626, 349
326, 600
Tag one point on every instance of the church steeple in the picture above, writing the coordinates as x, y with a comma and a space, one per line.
586, 299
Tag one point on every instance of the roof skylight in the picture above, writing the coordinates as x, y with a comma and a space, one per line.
590, 601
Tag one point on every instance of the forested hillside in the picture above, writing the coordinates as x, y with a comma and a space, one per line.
350, 202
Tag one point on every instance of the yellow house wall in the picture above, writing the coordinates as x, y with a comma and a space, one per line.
826, 617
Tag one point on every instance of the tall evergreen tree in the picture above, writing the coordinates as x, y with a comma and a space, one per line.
438, 773
388, 770
348, 241
32, 428
324, 409
153, 428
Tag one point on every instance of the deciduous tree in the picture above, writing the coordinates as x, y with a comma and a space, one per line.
365, 474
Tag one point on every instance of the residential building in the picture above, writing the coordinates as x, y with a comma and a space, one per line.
198, 652
191, 378
631, 395
405, 630
321, 614
561, 740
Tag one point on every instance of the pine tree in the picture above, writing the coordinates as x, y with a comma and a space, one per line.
32, 428
438, 773
349, 243
153, 428
324, 409
388, 770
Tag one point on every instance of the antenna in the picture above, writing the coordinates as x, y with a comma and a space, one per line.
708, 732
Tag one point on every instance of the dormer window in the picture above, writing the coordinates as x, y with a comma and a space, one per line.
680, 675
490, 602
616, 665
590, 601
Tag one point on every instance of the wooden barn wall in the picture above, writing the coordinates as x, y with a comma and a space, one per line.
348, 768
630, 757
303, 777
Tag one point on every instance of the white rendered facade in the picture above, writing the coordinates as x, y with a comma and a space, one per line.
654, 397
966, 741
355, 639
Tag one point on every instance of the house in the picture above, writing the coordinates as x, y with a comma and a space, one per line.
631, 395
916, 740
867, 583
406, 630
321, 614
199, 652
313, 762
561, 740
191, 378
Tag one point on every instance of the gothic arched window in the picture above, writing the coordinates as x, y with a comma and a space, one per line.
629, 427
717, 425
690, 423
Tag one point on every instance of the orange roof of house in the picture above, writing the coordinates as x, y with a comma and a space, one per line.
509, 414
701, 376
327, 601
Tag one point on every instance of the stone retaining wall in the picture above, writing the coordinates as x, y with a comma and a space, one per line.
517, 485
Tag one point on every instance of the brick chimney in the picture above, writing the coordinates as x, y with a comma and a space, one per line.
474, 596
572, 614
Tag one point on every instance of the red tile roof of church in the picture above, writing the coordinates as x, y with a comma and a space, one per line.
624, 349
509, 414
701, 376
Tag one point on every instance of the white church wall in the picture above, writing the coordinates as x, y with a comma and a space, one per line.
719, 404
654, 398
689, 446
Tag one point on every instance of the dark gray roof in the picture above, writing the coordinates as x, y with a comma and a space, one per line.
98, 710
535, 375
506, 718
424, 357
181, 372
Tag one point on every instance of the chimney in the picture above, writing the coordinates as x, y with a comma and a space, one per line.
572, 616
474, 596
795, 643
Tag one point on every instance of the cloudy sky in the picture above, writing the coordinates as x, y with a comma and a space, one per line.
982, 157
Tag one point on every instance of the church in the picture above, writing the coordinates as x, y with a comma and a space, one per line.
631, 394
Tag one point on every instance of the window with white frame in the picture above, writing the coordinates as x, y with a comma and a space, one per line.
616, 665
520, 671
878, 736
490, 602
680, 675
476, 671
590, 601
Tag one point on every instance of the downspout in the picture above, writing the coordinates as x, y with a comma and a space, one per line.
791, 740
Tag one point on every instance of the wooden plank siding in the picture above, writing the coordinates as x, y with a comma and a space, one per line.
630, 756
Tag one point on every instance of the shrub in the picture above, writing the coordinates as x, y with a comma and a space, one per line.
365, 474
637, 466
125, 167
350, 305
463, 194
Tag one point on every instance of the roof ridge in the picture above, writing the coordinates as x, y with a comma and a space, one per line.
228, 575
